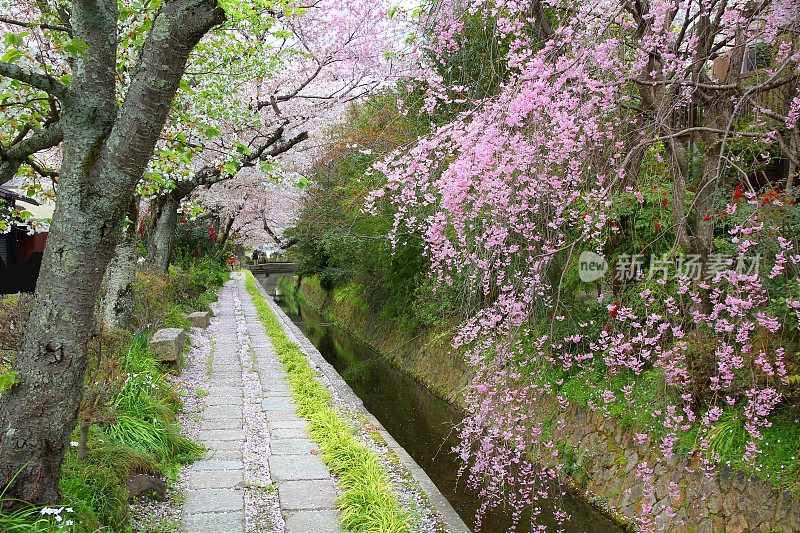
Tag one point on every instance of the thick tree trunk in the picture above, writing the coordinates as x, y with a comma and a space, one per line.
105, 152
162, 235
116, 304
38, 413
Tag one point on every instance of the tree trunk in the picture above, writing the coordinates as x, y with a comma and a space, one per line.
223, 239
105, 153
116, 304
38, 413
162, 234
794, 146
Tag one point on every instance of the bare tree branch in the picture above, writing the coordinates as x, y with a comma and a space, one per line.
43, 82
17, 154
42, 25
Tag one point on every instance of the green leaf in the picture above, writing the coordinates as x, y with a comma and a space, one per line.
15, 39
7, 380
12, 55
267, 167
212, 132
283, 34
392, 12
231, 167
303, 183
76, 47
242, 148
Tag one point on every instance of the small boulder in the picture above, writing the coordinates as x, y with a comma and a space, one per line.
166, 345
200, 319
144, 483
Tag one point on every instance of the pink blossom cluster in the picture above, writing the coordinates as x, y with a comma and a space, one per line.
521, 182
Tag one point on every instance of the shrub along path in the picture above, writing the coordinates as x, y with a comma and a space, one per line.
254, 437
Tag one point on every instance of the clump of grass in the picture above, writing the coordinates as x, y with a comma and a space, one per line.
177, 318
28, 519
156, 437
368, 501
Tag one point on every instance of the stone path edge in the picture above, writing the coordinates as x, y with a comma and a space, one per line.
437, 500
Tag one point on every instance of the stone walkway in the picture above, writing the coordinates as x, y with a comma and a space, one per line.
256, 441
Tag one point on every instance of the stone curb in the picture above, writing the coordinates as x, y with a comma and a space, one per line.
448, 514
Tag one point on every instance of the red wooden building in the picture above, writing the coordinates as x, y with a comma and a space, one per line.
20, 252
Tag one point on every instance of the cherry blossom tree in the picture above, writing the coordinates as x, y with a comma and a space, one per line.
98, 78
136, 98
593, 96
327, 54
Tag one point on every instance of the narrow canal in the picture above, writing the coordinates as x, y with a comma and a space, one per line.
420, 421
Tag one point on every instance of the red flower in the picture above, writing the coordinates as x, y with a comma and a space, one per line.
768, 197
658, 226
664, 201
613, 310
212, 233
707, 218
738, 192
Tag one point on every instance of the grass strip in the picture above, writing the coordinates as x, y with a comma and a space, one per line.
368, 501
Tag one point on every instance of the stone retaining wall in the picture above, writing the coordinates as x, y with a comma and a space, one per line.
729, 502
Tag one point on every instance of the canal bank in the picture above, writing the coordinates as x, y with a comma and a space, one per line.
422, 422
605, 453
447, 514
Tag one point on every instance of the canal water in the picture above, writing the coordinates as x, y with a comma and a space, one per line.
421, 422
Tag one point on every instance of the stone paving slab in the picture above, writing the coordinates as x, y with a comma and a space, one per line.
326, 521
213, 501
221, 434
316, 494
274, 416
277, 389
297, 467
287, 424
277, 393
278, 403
223, 390
214, 523
224, 400
292, 446
231, 366
221, 423
216, 464
288, 433
216, 479
227, 376
227, 412
226, 454
223, 445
